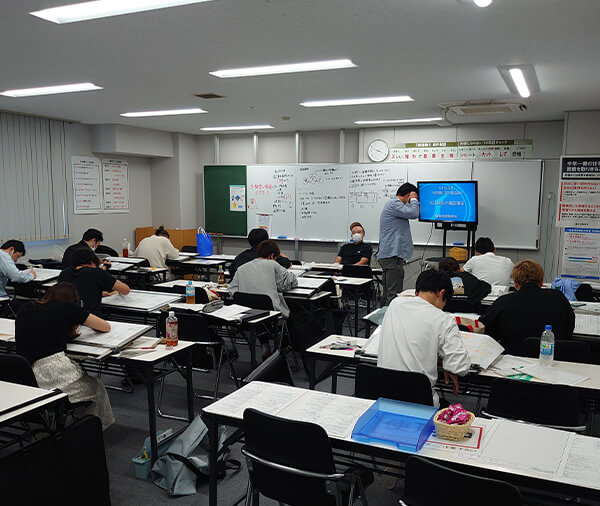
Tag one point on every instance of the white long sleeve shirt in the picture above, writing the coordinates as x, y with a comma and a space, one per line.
496, 270
156, 249
414, 333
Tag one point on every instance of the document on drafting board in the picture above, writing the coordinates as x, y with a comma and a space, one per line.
588, 324
46, 274
120, 333
482, 349
141, 300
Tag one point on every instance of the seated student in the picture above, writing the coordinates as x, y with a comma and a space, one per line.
464, 283
10, 252
91, 240
524, 313
416, 331
255, 237
355, 252
487, 266
157, 249
264, 275
91, 280
42, 331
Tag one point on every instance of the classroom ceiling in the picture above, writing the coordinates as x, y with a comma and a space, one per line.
433, 50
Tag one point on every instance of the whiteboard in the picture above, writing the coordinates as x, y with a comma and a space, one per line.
369, 187
322, 202
441, 171
272, 189
509, 198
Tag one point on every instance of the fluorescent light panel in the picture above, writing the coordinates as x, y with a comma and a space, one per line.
482, 3
284, 69
356, 101
171, 112
393, 121
105, 8
520, 79
241, 127
51, 90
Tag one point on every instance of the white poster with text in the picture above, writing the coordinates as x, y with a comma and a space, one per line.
115, 177
87, 185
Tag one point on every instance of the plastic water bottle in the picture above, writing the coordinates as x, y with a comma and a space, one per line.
125, 248
190, 293
547, 347
171, 325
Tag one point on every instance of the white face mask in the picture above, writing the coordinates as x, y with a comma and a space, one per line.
357, 238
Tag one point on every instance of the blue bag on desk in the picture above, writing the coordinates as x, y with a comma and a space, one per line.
204, 244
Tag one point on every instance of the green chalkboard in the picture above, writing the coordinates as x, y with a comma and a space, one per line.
218, 218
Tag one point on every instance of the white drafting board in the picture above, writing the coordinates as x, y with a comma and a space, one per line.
271, 189
120, 334
322, 202
509, 196
370, 186
43, 275
141, 300
440, 171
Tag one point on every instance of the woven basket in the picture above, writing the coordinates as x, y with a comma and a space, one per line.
452, 432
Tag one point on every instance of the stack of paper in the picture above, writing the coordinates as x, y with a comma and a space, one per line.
482, 349
101, 344
588, 324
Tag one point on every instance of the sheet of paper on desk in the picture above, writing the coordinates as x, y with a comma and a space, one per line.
46, 274
311, 282
583, 462
336, 414
7, 327
138, 299
229, 313
553, 375
268, 398
482, 348
120, 333
587, 324
507, 365
187, 307
586, 307
498, 290
528, 447
119, 266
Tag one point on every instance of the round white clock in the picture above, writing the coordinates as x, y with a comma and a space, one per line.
378, 150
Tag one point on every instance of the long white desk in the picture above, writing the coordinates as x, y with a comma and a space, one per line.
522, 454
17, 401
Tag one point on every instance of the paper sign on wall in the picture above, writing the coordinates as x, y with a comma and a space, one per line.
115, 179
581, 250
237, 198
579, 192
500, 149
86, 185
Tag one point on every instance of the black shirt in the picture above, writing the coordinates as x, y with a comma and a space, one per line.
524, 313
42, 330
67, 259
90, 283
250, 254
473, 292
353, 252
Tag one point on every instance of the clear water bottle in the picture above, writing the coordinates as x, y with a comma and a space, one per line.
547, 347
171, 325
190, 293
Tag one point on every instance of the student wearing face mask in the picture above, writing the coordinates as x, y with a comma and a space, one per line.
355, 252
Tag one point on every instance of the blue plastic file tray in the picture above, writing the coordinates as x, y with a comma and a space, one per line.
402, 424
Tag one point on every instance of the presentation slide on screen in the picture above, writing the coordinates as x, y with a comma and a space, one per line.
448, 201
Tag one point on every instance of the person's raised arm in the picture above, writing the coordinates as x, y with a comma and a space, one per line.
121, 287
409, 211
96, 323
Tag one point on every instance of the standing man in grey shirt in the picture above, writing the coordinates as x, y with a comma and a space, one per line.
395, 240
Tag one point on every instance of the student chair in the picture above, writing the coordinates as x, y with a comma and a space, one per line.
534, 403
189, 249
373, 382
275, 369
564, 350
206, 356
428, 483
302, 470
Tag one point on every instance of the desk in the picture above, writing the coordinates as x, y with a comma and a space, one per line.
17, 401
140, 276
337, 415
138, 304
196, 266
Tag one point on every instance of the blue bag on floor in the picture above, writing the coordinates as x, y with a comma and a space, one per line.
204, 244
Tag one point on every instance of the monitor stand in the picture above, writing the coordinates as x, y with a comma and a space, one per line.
469, 228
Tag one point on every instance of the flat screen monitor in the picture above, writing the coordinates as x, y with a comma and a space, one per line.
448, 201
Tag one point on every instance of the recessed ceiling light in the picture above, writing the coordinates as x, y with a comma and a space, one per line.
172, 112
51, 90
392, 121
356, 101
482, 3
105, 8
285, 69
241, 127
520, 79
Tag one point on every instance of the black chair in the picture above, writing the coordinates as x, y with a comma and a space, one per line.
427, 483
69, 469
564, 350
355, 293
253, 300
296, 262
299, 472
535, 402
16, 369
374, 382
207, 355
275, 369
106, 250
189, 249
201, 295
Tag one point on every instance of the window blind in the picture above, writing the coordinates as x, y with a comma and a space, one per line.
33, 179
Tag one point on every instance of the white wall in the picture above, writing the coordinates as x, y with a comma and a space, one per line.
582, 133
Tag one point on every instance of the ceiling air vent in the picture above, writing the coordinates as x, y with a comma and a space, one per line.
209, 96
491, 107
